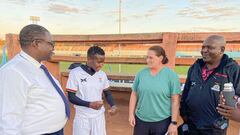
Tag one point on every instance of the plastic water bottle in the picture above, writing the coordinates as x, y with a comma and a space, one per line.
229, 93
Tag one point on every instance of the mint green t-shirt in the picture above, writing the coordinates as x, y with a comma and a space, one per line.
154, 94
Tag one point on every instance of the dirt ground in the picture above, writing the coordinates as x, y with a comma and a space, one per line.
118, 124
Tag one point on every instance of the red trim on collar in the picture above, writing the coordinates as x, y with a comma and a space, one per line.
222, 75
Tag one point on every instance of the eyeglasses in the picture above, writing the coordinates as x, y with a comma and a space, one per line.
52, 43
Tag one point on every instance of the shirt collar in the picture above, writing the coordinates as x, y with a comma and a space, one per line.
30, 59
207, 69
88, 69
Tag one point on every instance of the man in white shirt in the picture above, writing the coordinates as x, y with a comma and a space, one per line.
85, 86
31, 99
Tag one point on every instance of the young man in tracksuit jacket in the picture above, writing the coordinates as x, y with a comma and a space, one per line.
205, 81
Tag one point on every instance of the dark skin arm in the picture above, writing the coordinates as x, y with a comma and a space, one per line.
109, 98
77, 101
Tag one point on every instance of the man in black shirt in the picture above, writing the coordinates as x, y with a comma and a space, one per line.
204, 83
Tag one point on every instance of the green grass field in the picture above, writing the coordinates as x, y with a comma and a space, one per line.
0, 59
126, 68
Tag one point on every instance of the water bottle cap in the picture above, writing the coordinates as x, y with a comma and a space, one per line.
228, 85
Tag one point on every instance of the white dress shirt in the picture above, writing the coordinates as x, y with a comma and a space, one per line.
29, 103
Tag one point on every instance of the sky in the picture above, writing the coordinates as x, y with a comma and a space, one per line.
137, 16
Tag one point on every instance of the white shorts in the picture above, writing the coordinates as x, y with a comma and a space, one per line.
89, 126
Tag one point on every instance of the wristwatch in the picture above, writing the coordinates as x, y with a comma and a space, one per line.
174, 122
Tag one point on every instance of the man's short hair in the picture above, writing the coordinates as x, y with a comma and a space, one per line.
94, 50
31, 32
217, 38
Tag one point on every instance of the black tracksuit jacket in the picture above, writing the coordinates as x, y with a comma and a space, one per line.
200, 98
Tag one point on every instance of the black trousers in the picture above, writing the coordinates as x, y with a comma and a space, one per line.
151, 128
193, 130
60, 132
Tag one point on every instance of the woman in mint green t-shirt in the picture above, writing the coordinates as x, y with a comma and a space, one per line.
154, 102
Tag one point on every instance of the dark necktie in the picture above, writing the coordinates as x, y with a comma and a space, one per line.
67, 108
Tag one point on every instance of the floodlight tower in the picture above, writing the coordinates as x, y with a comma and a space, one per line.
119, 30
34, 19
